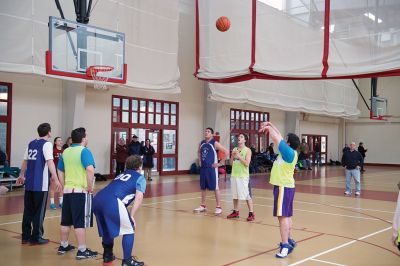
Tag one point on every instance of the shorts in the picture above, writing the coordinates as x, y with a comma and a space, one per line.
77, 210
283, 201
240, 188
112, 217
209, 178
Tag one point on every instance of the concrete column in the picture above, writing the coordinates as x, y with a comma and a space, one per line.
73, 106
292, 123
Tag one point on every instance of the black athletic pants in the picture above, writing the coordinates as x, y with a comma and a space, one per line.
35, 203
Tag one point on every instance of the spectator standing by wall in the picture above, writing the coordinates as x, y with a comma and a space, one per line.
362, 150
122, 154
148, 161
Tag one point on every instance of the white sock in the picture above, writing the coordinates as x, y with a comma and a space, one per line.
61, 200
64, 244
52, 200
82, 248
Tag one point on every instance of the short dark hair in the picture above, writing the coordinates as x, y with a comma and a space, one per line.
293, 140
246, 138
78, 134
211, 129
133, 162
43, 129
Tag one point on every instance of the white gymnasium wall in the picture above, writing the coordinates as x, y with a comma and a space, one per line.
319, 125
380, 138
35, 100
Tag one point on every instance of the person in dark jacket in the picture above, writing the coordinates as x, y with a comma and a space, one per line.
148, 162
362, 150
134, 148
122, 155
352, 160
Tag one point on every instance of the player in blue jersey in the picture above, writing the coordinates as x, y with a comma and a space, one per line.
112, 216
208, 160
35, 173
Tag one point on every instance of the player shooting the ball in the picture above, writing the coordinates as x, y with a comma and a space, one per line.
283, 182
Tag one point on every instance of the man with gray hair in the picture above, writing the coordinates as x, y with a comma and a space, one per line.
352, 160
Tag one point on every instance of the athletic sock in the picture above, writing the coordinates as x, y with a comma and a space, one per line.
82, 248
127, 245
64, 244
51, 200
60, 199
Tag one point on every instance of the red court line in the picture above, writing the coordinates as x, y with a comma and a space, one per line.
14, 204
265, 224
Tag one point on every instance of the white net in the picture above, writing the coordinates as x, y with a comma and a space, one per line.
99, 76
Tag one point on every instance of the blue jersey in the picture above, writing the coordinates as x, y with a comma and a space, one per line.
124, 187
208, 154
37, 174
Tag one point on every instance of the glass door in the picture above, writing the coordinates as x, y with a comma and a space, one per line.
117, 135
154, 136
169, 151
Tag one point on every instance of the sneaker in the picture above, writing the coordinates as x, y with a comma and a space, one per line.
201, 208
347, 193
80, 255
133, 261
40, 241
234, 214
53, 206
284, 251
62, 250
251, 217
60, 205
292, 242
108, 259
218, 210
357, 194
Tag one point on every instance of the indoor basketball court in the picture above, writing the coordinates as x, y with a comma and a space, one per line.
161, 72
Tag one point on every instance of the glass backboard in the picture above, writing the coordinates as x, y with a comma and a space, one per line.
74, 47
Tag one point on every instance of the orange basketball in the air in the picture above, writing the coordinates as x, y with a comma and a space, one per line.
223, 23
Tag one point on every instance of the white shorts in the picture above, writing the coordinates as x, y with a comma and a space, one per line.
240, 188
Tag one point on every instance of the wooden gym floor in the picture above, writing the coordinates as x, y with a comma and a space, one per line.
330, 229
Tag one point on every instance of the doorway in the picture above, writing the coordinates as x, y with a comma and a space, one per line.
318, 147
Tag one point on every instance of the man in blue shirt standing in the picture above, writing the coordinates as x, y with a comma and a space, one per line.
35, 172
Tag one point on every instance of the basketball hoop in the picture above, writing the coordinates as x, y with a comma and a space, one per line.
99, 81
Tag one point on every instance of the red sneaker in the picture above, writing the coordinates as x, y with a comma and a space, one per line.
251, 217
234, 214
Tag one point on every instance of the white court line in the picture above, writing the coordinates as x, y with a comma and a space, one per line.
327, 213
15, 222
328, 262
211, 198
340, 246
337, 206
168, 201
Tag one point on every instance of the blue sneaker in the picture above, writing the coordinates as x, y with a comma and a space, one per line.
60, 205
284, 251
292, 242
53, 206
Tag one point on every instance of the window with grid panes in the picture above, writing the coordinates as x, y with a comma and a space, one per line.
248, 122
